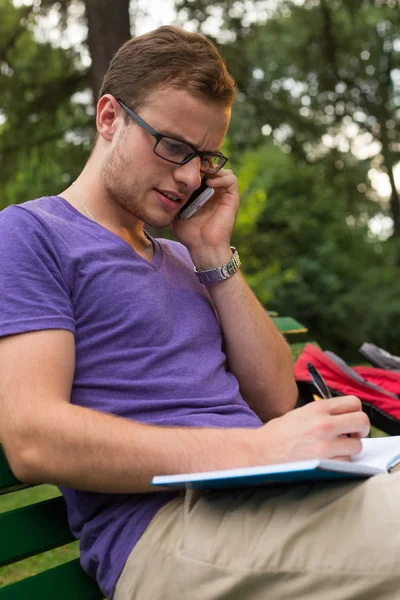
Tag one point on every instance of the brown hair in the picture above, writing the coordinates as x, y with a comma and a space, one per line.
168, 56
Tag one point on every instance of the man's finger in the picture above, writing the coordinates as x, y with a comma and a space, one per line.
355, 423
341, 405
346, 447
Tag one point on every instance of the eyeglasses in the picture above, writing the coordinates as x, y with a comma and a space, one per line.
177, 151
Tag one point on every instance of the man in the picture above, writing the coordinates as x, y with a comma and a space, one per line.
118, 362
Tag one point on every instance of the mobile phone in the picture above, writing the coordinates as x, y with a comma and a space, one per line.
196, 201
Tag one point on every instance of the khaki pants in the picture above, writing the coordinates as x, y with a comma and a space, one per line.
336, 541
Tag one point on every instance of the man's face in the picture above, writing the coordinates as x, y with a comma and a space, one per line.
137, 179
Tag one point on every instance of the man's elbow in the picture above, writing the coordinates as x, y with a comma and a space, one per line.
24, 461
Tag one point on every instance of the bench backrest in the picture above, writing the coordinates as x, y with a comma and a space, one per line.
31, 530
42, 526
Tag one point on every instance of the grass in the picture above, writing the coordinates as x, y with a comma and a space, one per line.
377, 433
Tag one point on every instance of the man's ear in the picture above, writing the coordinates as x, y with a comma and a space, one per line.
106, 116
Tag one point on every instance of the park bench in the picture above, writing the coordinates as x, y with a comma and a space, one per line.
42, 526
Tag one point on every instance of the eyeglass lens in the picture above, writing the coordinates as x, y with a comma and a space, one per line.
178, 152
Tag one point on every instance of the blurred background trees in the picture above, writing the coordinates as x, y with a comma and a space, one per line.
315, 125
47, 91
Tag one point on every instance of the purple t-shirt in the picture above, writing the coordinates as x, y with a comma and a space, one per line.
148, 348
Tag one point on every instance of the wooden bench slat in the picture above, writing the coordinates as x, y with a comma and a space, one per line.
66, 582
291, 329
289, 325
33, 529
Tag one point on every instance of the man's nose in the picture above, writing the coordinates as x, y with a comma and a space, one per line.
189, 174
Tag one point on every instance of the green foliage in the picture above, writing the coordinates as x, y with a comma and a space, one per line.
310, 69
306, 252
304, 70
45, 134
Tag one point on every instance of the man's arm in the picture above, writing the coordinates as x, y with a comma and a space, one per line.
257, 354
47, 439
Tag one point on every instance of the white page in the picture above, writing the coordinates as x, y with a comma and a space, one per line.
379, 452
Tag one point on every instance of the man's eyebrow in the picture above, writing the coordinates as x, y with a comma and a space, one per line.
182, 139
179, 138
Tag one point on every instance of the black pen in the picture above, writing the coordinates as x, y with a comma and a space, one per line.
318, 381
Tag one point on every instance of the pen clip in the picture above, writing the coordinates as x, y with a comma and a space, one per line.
318, 381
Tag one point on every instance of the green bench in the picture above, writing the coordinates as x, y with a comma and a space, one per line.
31, 530
42, 526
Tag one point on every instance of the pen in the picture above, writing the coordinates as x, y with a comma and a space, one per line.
320, 385
318, 381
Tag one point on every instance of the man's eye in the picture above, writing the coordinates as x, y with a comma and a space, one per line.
172, 147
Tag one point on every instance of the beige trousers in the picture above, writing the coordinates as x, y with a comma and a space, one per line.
336, 541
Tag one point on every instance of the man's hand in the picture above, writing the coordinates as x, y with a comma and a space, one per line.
317, 430
207, 234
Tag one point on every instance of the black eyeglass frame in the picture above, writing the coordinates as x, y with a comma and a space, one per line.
159, 136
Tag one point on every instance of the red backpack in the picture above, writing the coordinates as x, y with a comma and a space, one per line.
378, 389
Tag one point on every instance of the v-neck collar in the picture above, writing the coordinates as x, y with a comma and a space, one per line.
155, 263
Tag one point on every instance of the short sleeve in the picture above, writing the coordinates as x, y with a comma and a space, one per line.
34, 294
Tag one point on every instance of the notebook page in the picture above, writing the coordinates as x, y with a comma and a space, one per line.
378, 452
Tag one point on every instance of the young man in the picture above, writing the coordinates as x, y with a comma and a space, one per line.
119, 361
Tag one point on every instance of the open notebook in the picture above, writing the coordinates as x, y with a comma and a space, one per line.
379, 455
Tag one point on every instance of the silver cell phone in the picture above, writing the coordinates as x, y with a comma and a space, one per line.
196, 201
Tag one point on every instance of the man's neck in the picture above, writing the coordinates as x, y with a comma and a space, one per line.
88, 196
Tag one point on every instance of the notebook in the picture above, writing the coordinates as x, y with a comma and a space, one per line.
379, 455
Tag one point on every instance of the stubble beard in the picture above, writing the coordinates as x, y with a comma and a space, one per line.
115, 171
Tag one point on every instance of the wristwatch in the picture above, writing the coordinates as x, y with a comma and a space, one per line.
220, 273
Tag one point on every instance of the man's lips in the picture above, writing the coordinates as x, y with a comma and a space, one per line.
173, 193
162, 194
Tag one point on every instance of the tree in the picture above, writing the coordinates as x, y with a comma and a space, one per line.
38, 114
305, 255
108, 27
309, 71
46, 129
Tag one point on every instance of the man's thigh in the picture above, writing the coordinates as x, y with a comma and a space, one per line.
330, 541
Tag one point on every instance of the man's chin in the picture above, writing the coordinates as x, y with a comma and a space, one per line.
158, 223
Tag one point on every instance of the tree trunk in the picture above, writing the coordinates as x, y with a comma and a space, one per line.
108, 23
388, 163
108, 28
394, 203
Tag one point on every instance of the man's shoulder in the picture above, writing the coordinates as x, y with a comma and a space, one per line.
18, 221
36, 228
49, 219
32, 211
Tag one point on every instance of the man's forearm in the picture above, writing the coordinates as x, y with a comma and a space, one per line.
85, 449
98, 452
257, 353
